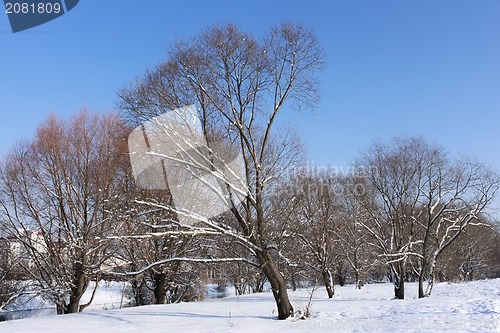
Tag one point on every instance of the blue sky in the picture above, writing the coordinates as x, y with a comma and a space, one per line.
413, 67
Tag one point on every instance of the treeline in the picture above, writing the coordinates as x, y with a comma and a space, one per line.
72, 213
72, 210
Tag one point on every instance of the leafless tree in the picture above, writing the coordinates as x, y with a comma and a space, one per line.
56, 195
474, 255
355, 241
392, 174
319, 215
147, 236
453, 195
240, 87
423, 202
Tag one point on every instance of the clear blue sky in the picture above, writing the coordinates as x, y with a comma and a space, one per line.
413, 67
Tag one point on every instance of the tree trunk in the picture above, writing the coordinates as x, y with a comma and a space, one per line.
399, 288
421, 293
294, 283
421, 270
328, 282
137, 291
80, 283
278, 284
430, 282
341, 279
73, 305
160, 290
61, 308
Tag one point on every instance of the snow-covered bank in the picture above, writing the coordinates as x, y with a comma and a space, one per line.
466, 307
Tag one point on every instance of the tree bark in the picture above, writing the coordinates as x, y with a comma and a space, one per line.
80, 283
160, 291
278, 284
328, 282
399, 288
421, 293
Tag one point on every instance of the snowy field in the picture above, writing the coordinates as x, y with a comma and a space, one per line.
465, 307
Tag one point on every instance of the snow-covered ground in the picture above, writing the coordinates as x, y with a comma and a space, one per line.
465, 307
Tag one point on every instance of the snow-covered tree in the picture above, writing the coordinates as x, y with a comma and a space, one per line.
239, 86
306, 208
354, 240
56, 195
146, 236
423, 202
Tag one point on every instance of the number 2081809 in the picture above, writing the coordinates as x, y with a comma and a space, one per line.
32, 8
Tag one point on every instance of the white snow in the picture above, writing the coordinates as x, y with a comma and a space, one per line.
465, 307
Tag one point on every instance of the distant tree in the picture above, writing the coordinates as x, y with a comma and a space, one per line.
56, 194
354, 240
454, 200
472, 256
311, 220
423, 202
391, 173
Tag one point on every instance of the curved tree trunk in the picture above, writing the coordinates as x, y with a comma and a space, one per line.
80, 283
328, 282
278, 284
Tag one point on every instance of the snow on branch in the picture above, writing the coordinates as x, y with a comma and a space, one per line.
192, 260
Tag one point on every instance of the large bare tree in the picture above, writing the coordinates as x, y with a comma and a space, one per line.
56, 195
240, 86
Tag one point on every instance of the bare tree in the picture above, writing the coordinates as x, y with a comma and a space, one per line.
147, 236
240, 86
392, 174
423, 202
307, 210
472, 256
56, 194
458, 198
354, 240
